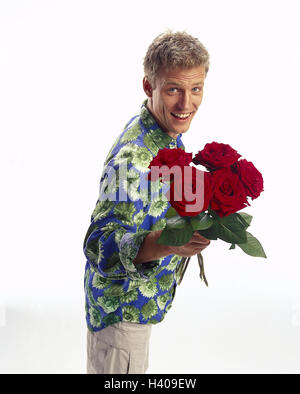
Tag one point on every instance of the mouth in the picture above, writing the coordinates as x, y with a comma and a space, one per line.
181, 117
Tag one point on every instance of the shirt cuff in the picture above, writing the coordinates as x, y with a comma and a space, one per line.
129, 246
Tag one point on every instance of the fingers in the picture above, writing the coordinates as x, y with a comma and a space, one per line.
200, 244
196, 244
200, 247
199, 239
196, 235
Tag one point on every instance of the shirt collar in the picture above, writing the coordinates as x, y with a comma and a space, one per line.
158, 136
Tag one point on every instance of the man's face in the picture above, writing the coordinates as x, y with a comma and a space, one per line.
176, 98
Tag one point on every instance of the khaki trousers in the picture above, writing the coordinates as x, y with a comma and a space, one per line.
121, 348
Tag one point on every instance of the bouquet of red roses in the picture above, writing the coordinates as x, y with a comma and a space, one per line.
207, 201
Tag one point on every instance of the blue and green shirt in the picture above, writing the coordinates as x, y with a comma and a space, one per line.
128, 208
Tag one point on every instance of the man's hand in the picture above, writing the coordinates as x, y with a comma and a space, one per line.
194, 246
150, 250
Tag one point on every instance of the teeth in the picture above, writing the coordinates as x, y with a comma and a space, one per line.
182, 115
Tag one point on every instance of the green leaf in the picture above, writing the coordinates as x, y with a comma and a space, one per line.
171, 212
231, 229
252, 247
212, 232
232, 246
176, 222
227, 235
245, 218
201, 222
176, 236
233, 222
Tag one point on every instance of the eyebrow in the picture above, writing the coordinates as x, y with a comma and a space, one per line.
178, 84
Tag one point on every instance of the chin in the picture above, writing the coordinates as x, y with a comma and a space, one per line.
182, 130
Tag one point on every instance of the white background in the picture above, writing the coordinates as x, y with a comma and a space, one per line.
70, 79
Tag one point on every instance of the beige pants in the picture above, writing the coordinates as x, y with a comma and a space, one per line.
121, 348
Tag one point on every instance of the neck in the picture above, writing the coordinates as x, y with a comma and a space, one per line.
150, 109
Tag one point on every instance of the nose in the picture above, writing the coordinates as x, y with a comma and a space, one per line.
184, 101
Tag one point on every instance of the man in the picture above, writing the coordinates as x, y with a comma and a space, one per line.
130, 280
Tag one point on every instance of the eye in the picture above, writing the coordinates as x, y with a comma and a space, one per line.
173, 90
197, 89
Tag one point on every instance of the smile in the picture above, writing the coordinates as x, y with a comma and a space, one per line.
181, 116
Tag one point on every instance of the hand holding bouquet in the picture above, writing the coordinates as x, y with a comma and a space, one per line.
208, 201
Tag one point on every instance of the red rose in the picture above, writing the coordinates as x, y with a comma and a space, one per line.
250, 177
191, 182
169, 157
229, 193
215, 155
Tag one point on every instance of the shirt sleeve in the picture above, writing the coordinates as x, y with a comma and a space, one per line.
114, 237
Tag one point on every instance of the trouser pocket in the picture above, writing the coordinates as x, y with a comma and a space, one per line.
116, 361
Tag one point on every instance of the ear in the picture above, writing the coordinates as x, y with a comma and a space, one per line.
147, 87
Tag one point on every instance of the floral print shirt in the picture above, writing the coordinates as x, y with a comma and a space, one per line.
125, 212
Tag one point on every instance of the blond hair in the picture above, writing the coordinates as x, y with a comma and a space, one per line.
174, 50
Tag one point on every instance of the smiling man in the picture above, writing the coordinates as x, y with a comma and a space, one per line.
130, 280
176, 98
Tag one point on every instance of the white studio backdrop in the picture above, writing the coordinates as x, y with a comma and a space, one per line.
70, 79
